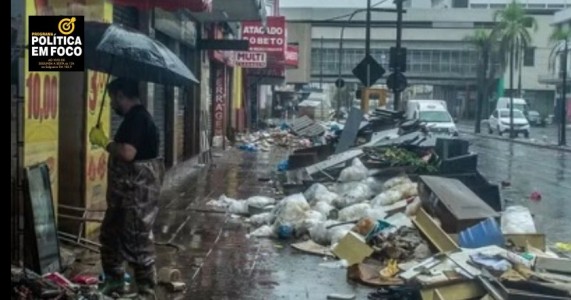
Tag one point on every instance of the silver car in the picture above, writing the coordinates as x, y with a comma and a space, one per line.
534, 118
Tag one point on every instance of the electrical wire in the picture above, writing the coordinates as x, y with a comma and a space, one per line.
349, 14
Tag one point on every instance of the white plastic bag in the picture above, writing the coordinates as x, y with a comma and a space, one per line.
389, 184
324, 208
261, 219
291, 210
320, 234
260, 201
337, 233
517, 219
413, 207
264, 231
356, 172
386, 198
314, 189
376, 213
312, 219
354, 212
407, 190
238, 207
374, 185
351, 193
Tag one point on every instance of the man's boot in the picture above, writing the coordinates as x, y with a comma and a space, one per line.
113, 287
147, 292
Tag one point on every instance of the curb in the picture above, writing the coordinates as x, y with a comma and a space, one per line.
521, 142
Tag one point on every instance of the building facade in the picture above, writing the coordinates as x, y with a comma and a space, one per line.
434, 33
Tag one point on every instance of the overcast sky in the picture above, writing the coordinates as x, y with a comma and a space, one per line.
333, 3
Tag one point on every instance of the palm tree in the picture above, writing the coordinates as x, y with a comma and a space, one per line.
559, 40
482, 40
513, 32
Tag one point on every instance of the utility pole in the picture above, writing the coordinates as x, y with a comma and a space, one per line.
368, 41
398, 46
321, 65
563, 101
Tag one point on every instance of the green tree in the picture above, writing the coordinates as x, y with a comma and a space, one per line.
482, 40
513, 25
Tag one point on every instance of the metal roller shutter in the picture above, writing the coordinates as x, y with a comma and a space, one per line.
159, 103
128, 17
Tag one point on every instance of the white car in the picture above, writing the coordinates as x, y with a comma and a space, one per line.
500, 122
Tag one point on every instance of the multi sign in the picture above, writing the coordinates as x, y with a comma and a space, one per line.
251, 60
269, 38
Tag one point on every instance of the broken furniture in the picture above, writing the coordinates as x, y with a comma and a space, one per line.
453, 203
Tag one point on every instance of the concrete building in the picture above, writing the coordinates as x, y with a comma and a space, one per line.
553, 76
434, 34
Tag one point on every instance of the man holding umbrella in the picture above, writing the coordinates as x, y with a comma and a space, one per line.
134, 181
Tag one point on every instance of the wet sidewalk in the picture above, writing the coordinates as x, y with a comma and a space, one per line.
212, 252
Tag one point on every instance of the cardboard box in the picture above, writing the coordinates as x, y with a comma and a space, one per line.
353, 248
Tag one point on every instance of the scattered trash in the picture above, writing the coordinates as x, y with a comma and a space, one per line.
535, 196
517, 219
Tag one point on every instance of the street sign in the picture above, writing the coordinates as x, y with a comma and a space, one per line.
397, 59
397, 82
368, 71
339, 83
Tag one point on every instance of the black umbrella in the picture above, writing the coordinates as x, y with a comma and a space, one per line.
123, 52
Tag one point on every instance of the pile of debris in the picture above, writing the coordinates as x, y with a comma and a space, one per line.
407, 211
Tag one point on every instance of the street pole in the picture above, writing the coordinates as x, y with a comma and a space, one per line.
321, 65
368, 41
398, 47
512, 50
563, 117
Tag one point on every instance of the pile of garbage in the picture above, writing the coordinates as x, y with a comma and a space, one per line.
263, 140
406, 232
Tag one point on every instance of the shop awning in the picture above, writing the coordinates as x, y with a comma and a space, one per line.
192, 5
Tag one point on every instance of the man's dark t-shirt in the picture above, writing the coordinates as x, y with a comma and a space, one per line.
139, 130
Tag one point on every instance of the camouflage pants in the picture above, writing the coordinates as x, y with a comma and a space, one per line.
132, 206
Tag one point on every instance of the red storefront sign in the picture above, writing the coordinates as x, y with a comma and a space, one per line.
271, 38
292, 56
251, 60
220, 93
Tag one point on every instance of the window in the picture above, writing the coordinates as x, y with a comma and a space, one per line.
460, 3
529, 57
495, 114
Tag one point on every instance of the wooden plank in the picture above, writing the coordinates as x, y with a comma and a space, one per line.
435, 234
536, 240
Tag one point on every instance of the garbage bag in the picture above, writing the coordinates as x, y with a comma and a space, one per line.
517, 219
389, 184
324, 208
291, 210
356, 172
260, 201
323, 236
238, 207
261, 219
374, 185
351, 193
318, 193
312, 219
263, 231
386, 198
354, 212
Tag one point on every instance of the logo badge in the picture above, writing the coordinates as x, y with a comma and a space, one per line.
55, 43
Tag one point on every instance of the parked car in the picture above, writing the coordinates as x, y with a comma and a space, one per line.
534, 118
500, 122
434, 113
